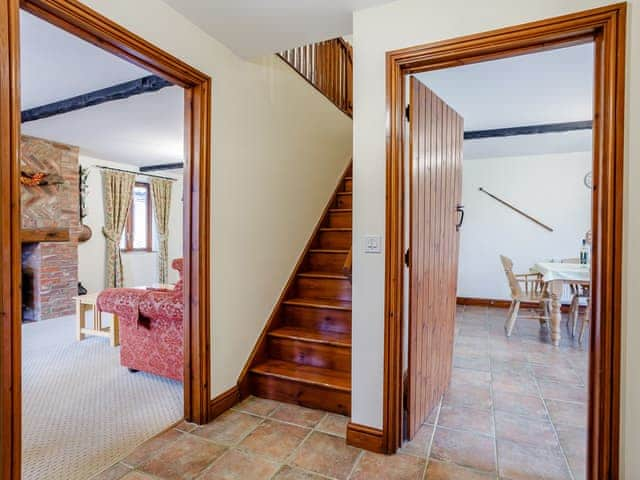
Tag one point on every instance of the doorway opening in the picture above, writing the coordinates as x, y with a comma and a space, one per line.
604, 28
47, 161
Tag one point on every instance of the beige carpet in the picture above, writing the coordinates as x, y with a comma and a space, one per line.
82, 411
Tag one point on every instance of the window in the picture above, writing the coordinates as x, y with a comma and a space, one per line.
137, 232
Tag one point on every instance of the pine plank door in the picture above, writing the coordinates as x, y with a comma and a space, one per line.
435, 154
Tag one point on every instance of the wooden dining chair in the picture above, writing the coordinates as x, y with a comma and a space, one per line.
578, 291
527, 288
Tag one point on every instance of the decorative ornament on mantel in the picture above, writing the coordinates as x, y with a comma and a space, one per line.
34, 179
85, 233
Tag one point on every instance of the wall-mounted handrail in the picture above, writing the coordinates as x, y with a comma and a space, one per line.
517, 210
328, 66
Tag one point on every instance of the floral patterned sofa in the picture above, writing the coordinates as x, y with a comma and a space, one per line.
151, 326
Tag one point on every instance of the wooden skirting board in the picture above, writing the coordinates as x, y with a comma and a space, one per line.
223, 402
367, 438
498, 303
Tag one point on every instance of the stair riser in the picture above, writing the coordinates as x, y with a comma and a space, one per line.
343, 201
326, 262
310, 353
324, 319
339, 220
311, 396
334, 240
348, 185
323, 288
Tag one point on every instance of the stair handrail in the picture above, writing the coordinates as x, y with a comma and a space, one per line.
328, 66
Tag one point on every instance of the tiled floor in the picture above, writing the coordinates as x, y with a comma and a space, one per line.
515, 410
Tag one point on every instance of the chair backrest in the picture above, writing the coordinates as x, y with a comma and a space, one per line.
514, 285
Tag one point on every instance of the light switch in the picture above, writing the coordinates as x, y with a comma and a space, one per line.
372, 244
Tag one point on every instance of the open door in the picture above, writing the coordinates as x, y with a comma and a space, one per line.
436, 133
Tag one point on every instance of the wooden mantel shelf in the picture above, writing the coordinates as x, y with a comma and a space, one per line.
44, 235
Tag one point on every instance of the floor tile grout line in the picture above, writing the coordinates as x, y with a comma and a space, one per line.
433, 436
355, 464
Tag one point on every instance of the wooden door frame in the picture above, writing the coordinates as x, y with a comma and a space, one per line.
605, 27
85, 23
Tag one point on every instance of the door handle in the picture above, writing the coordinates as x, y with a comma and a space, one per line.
460, 210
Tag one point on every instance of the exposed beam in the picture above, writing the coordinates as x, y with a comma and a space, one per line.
529, 130
165, 166
150, 83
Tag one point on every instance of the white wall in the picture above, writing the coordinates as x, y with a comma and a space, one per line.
279, 148
548, 187
140, 268
405, 23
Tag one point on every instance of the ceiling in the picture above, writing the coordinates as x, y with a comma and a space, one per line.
252, 28
548, 87
141, 130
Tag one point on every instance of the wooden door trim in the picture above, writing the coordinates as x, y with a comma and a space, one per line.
85, 23
605, 26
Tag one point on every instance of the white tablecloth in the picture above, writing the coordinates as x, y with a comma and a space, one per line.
563, 271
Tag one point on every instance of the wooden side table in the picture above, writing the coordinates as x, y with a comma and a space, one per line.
86, 303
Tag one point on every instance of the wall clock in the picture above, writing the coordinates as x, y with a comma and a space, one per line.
588, 180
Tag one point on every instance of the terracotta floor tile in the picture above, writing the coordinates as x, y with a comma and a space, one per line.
460, 418
525, 462
305, 417
567, 413
229, 428
373, 466
514, 383
115, 472
523, 430
472, 362
556, 374
327, 455
574, 444
184, 459
135, 475
464, 448
334, 424
421, 442
564, 392
186, 426
468, 396
235, 465
450, 471
470, 377
275, 440
523, 405
433, 414
507, 355
151, 447
512, 368
257, 406
291, 473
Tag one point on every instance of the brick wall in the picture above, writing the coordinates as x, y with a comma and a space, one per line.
54, 264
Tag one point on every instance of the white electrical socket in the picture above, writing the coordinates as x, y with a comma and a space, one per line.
372, 244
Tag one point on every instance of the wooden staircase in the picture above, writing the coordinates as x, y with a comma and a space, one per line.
304, 353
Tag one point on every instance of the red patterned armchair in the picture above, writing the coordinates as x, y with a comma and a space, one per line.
151, 327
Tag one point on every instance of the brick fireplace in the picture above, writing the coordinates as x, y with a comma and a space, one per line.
50, 230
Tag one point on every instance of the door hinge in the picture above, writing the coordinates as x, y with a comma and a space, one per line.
407, 258
406, 112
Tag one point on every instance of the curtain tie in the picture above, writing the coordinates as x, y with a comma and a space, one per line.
110, 235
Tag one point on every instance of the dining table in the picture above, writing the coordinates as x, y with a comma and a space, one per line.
556, 275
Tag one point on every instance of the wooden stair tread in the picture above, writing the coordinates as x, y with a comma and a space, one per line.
328, 250
324, 377
340, 210
324, 275
337, 339
319, 303
335, 229
344, 193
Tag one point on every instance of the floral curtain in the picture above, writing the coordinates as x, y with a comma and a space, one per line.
161, 194
117, 191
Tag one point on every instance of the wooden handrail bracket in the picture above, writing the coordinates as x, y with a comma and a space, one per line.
517, 210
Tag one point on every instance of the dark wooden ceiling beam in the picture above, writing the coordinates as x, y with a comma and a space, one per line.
529, 130
165, 166
120, 91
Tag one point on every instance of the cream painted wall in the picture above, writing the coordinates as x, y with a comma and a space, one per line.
406, 23
140, 268
279, 148
548, 187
